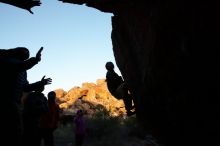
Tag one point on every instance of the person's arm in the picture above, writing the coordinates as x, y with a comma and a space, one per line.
29, 63
30, 87
19, 65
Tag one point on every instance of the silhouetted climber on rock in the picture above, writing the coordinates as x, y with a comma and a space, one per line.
118, 88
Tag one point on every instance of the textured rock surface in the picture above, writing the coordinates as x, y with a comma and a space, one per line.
92, 98
167, 52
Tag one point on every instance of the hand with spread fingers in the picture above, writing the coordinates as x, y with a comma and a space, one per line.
46, 81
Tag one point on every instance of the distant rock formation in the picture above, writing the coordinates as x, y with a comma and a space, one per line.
92, 98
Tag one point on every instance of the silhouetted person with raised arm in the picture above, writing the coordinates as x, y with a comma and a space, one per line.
50, 120
14, 63
118, 88
35, 106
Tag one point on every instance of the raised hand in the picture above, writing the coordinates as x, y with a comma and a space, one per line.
38, 55
46, 81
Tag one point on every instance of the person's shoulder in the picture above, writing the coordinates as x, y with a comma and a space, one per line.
111, 74
9, 60
108, 73
31, 94
42, 95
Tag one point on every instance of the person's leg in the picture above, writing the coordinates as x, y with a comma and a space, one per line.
128, 102
51, 138
79, 139
48, 138
37, 137
11, 126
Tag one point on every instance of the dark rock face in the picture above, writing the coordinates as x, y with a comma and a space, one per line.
23, 4
167, 51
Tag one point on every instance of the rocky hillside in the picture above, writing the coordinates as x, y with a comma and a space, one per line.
92, 98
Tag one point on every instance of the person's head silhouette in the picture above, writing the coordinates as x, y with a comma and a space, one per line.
20, 53
109, 66
51, 96
79, 112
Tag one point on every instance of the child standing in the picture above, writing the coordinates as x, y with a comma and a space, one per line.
50, 120
80, 128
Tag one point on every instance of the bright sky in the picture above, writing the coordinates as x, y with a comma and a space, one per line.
76, 40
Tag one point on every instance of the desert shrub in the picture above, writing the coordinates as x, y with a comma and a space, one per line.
102, 130
64, 133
